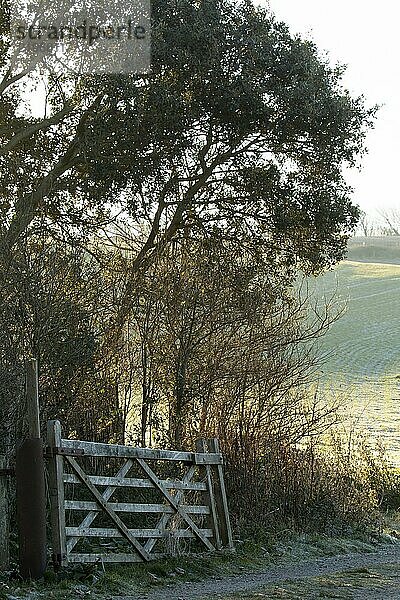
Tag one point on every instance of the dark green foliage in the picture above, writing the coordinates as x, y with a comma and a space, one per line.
258, 117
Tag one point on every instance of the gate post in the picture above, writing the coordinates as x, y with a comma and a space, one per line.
31, 496
209, 500
56, 493
221, 498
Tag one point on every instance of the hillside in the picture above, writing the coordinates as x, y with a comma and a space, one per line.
363, 347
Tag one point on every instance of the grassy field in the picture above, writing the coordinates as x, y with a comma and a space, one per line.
363, 346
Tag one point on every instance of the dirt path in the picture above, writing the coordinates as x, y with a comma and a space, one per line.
220, 587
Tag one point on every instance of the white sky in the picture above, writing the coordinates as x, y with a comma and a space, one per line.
365, 36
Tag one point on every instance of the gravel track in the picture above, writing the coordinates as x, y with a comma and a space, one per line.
217, 587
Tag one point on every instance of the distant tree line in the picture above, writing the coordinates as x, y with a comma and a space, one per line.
386, 223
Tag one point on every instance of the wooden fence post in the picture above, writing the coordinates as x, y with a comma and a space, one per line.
209, 500
31, 495
56, 492
220, 498
4, 516
32, 398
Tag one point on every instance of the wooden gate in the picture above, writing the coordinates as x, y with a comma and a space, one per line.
154, 502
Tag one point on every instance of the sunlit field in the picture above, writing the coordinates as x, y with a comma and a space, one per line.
363, 346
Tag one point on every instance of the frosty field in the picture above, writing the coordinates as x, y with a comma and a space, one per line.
363, 346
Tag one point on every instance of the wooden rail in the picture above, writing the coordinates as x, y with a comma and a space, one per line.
191, 507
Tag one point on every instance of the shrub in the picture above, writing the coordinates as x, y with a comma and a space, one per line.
332, 487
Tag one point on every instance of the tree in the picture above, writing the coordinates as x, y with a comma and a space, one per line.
366, 225
54, 302
240, 126
241, 131
391, 217
222, 341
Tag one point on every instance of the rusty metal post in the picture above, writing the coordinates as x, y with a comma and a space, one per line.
31, 494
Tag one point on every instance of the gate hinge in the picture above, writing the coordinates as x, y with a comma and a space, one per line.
50, 452
58, 559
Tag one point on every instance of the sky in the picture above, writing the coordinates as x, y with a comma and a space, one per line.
365, 37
